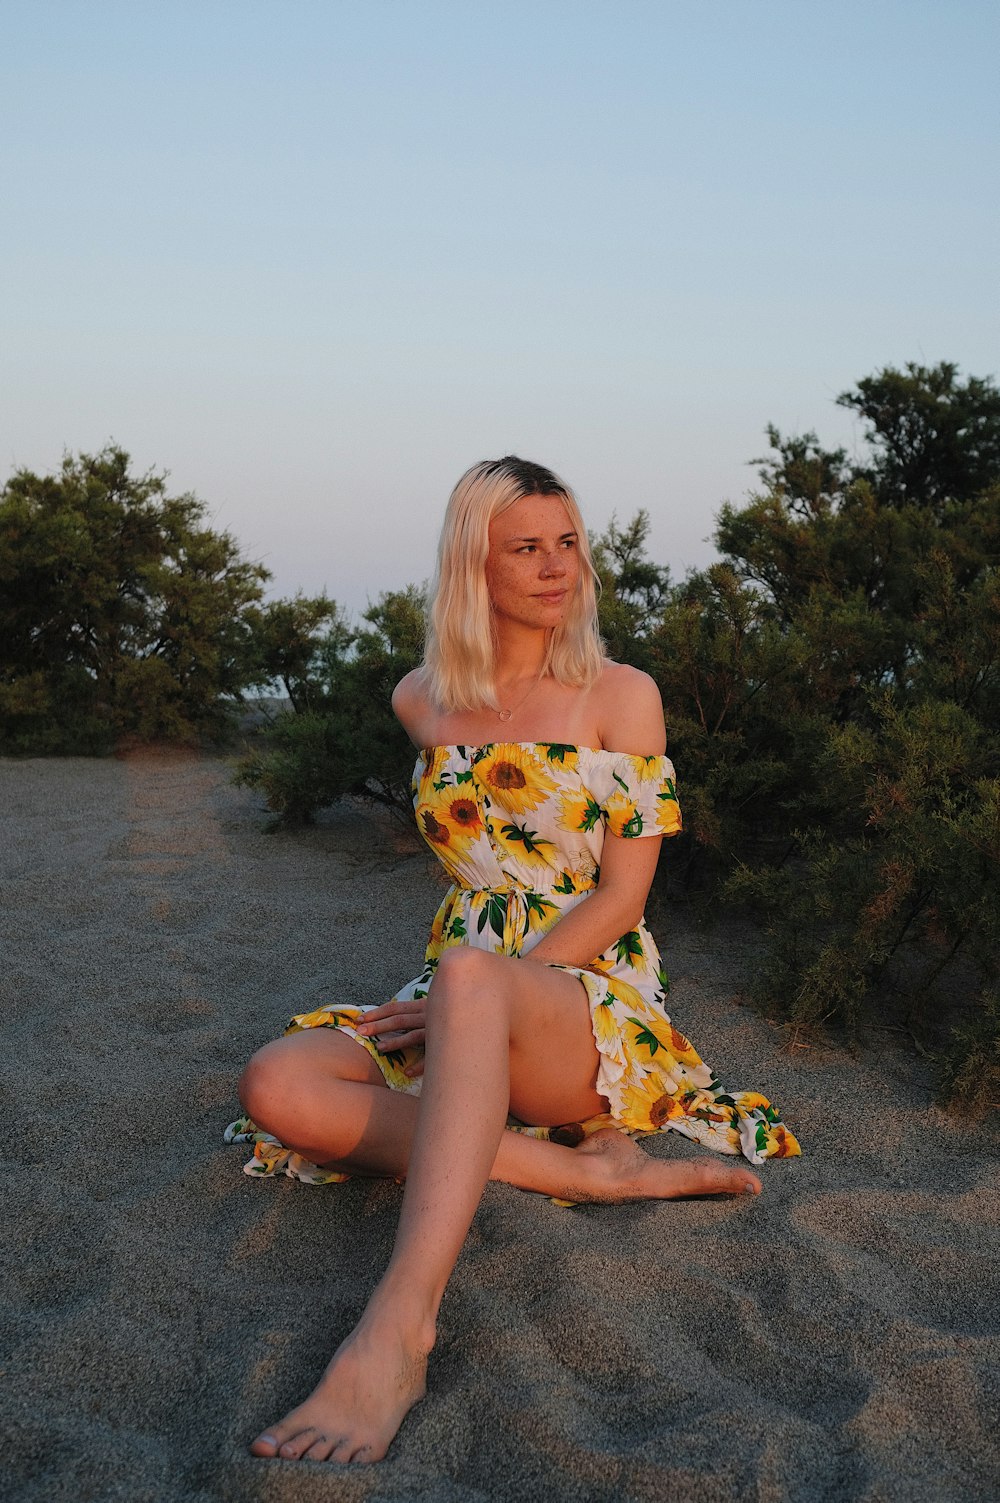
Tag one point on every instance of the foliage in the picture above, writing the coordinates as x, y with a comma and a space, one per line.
633, 589
833, 689
121, 613
288, 640
933, 439
341, 735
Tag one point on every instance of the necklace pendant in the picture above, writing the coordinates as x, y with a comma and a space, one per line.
504, 714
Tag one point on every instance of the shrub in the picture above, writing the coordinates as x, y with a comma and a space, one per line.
341, 735
121, 614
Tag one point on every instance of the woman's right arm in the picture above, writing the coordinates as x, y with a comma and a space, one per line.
409, 705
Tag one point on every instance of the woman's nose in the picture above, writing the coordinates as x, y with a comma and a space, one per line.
555, 563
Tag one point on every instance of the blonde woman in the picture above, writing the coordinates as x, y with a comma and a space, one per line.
540, 1007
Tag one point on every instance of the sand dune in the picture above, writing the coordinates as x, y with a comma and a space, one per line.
836, 1338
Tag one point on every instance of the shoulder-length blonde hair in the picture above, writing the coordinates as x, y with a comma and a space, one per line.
460, 653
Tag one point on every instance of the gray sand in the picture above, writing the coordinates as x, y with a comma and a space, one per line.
836, 1338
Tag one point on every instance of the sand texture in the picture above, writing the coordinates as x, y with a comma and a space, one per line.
836, 1338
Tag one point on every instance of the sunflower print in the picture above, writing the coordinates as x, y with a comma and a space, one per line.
520, 828
514, 778
579, 810
668, 810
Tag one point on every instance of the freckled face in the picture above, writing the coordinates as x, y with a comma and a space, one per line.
534, 561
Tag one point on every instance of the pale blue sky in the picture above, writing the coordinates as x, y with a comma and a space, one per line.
314, 257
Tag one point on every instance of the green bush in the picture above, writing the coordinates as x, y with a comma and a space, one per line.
300, 768
121, 614
341, 735
833, 699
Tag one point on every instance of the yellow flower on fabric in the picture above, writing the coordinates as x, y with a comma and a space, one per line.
607, 1029
701, 1105
646, 769
542, 912
652, 1036
781, 1144
623, 816
436, 942
683, 1050
525, 846
578, 810
459, 806
648, 1105
323, 1017
449, 819
668, 810
435, 762
628, 995
514, 778
435, 830
392, 1063
559, 754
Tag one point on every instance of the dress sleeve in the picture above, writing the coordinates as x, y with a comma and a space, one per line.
642, 797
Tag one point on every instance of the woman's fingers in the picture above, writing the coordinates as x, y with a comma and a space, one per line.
386, 1027
396, 1026
394, 1018
392, 1041
376, 1015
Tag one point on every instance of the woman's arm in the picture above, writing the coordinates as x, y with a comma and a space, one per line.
627, 870
409, 706
631, 720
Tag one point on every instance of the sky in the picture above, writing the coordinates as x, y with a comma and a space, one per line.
316, 257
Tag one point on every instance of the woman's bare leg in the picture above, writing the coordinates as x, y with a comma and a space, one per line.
325, 1097
455, 1141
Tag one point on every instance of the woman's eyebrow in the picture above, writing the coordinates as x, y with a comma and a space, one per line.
562, 538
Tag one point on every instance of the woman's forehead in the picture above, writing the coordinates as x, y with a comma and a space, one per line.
530, 517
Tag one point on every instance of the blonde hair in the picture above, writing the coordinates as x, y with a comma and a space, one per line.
460, 654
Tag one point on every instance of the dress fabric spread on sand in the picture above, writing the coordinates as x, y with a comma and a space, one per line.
520, 827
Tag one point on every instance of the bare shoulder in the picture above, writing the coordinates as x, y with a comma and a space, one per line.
410, 702
630, 711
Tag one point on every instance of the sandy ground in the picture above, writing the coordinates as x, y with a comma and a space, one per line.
837, 1338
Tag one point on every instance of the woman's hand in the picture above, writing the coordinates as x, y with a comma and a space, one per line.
395, 1025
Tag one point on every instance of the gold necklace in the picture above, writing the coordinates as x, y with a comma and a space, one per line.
507, 714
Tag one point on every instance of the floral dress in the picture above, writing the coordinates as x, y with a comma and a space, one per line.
519, 827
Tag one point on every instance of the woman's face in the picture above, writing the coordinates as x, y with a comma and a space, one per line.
534, 562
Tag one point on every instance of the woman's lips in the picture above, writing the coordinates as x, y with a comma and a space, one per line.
553, 597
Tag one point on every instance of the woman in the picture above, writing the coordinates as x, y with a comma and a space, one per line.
542, 761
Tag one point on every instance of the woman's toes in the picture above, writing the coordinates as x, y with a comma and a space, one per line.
264, 1445
322, 1449
292, 1449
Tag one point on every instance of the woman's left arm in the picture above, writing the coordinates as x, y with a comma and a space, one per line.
631, 721
586, 931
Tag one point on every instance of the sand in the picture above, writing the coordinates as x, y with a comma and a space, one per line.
836, 1338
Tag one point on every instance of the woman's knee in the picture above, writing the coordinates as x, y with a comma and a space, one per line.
460, 970
286, 1068
464, 979
264, 1079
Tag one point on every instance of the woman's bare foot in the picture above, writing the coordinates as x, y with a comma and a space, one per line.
374, 1378
613, 1168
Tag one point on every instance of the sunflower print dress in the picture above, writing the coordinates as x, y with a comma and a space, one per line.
520, 827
